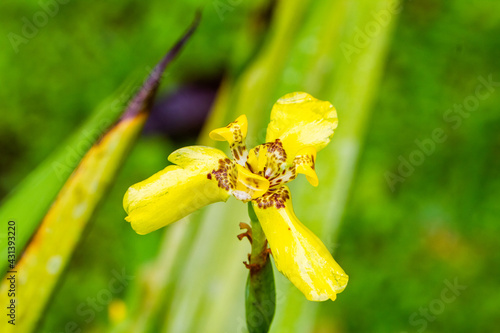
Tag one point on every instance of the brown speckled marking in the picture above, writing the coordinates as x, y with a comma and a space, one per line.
286, 176
275, 169
238, 147
276, 198
304, 159
276, 159
226, 174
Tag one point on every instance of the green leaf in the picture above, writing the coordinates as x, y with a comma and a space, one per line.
46, 256
30, 200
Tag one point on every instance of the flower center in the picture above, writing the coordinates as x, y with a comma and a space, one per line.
269, 161
264, 170
261, 172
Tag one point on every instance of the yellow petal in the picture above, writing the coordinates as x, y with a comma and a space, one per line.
300, 120
176, 191
231, 132
298, 253
235, 134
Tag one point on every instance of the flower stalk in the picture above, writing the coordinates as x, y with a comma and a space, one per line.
260, 296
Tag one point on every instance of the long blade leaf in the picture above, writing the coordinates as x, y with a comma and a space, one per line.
52, 245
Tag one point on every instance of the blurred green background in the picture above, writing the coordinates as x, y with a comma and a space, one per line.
403, 243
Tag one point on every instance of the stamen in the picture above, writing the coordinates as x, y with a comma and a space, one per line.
268, 159
249, 184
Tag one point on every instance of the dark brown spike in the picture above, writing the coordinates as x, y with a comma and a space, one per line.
143, 100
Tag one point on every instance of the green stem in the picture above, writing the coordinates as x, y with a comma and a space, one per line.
259, 255
260, 291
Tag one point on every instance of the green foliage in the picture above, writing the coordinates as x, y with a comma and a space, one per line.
25, 205
89, 174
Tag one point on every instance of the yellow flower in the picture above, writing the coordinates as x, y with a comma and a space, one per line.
300, 126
